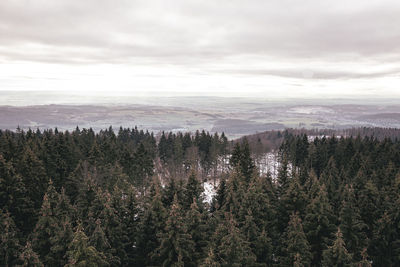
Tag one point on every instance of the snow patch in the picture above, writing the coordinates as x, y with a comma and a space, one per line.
209, 191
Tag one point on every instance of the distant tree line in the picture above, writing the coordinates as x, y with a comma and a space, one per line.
82, 198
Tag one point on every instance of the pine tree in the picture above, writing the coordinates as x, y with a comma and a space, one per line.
176, 245
295, 244
9, 243
28, 257
80, 253
337, 255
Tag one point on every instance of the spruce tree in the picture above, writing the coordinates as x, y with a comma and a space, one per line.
80, 253
292, 201
14, 198
351, 225
337, 254
231, 247
9, 242
28, 257
193, 190
60, 241
45, 230
99, 241
176, 244
197, 228
318, 224
295, 245
210, 260
385, 245
34, 177
151, 225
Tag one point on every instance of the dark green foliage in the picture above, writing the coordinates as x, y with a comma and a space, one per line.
152, 223
33, 175
296, 248
241, 159
318, 224
351, 225
80, 253
337, 254
9, 243
231, 246
98, 184
28, 257
193, 191
46, 227
197, 229
176, 244
14, 197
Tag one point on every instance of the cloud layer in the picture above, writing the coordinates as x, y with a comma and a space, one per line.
214, 45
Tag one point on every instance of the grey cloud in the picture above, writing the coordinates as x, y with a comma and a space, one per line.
186, 32
314, 73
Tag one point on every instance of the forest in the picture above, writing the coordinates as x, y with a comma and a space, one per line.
132, 198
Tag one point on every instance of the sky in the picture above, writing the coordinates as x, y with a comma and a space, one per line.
257, 48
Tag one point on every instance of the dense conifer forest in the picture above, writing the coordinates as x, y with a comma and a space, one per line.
130, 198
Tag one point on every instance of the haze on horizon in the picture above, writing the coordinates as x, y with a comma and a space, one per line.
268, 49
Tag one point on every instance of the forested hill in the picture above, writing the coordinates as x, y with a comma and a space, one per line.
129, 198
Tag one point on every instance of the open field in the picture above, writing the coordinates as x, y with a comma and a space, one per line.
234, 116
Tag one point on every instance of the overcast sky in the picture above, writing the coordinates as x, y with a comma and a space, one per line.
282, 48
